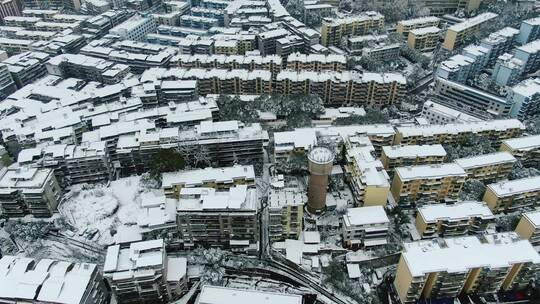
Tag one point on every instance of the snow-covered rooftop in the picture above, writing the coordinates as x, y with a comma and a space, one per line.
222, 295
516, 186
500, 251
455, 212
526, 143
475, 21
194, 178
430, 171
474, 127
139, 258
490, 159
365, 216
413, 151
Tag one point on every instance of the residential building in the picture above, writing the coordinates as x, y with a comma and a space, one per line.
272, 63
365, 227
25, 190
495, 130
428, 183
507, 70
135, 28
439, 8
143, 273
7, 85
437, 113
382, 51
9, 8
424, 39
525, 98
25, 280
528, 227
500, 42
529, 54
267, 40
224, 295
316, 62
456, 68
333, 30
488, 167
514, 194
461, 218
286, 209
525, 149
405, 26
458, 34
87, 68
411, 155
430, 269
529, 30
218, 178
226, 219
471, 100
366, 175
26, 67
357, 43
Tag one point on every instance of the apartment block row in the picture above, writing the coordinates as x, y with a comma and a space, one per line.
458, 34
525, 149
87, 68
486, 265
333, 30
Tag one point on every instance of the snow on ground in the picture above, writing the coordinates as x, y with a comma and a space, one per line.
101, 209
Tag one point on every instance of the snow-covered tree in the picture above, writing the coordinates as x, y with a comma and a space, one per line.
533, 124
373, 116
470, 145
234, 108
519, 171
472, 190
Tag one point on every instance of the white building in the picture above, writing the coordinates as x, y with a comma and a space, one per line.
365, 227
223, 295
135, 28
525, 98
437, 113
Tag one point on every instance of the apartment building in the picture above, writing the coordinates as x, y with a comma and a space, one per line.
430, 269
267, 40
411, 155
135, 28
143, 273
428, 183
528, 227
471, 100
525, 149
286, 209
529, 54
345, 88
458, 34
333, 30
365, 227
496, 130
499, 42
219, 218
357, 43
529, 30
272, 63
405, 26
366, 175
457, 68
26, 67
424, 39
382, 51
87, 68
25, 190
507, 70
218, 178
316, 62
442, 7
514, 194
22, 21
437, 113
98, 26
525, 98
224, 295
7, 85
9, 8
488, 167
25, 280
461, 218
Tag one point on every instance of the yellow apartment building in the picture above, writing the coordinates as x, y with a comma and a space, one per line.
458, 34
453, 220
488, 167
217, 178
424, 39
528, 227
411, 155
464, 265
526, 149
514, 194
495, 130
332, 30
403, 27
428, 182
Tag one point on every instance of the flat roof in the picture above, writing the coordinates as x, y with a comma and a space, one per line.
461, 210
430, 171
223, 295
200, 176
485, 160
413, 151
366, 216
516, 186
523, 143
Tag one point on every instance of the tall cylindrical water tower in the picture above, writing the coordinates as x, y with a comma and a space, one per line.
320, 162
